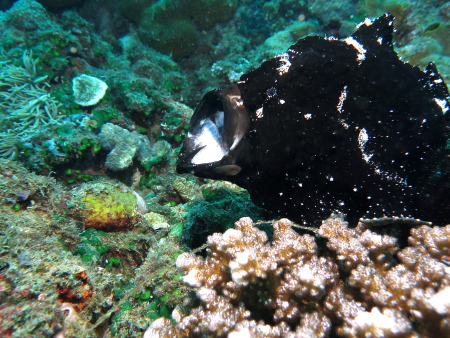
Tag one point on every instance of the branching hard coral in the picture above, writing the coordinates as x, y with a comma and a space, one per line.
356, 283
25, 104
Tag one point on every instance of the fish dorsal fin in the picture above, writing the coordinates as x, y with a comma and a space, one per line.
379, 31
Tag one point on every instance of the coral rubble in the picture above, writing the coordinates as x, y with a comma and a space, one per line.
125, 145
59, 278
360, 284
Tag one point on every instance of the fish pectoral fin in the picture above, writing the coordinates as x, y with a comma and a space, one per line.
228, 170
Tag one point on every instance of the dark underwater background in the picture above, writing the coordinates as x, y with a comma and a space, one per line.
95, 97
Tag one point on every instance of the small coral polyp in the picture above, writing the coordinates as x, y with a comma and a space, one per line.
297, 287
107, 206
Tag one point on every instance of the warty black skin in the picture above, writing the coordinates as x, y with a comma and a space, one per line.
331, 126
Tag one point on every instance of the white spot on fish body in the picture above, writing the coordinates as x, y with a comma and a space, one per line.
366, 22
259, 113
271, 92
342, 98
442, 104
359, 48
363, 138
285, 64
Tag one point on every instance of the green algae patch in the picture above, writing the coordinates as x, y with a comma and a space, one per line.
178, 38
91, 247
106, 206
216, 213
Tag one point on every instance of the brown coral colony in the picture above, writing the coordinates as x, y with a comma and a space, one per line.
360, 285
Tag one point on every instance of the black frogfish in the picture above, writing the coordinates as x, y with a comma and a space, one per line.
331, 126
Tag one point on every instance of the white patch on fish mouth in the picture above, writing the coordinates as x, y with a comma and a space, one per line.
359, 48
209, 140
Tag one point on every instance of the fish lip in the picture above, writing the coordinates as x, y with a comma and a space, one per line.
205, 170
185, 165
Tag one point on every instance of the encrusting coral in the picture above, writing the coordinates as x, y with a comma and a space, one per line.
88, 90
28, 15
359, 285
